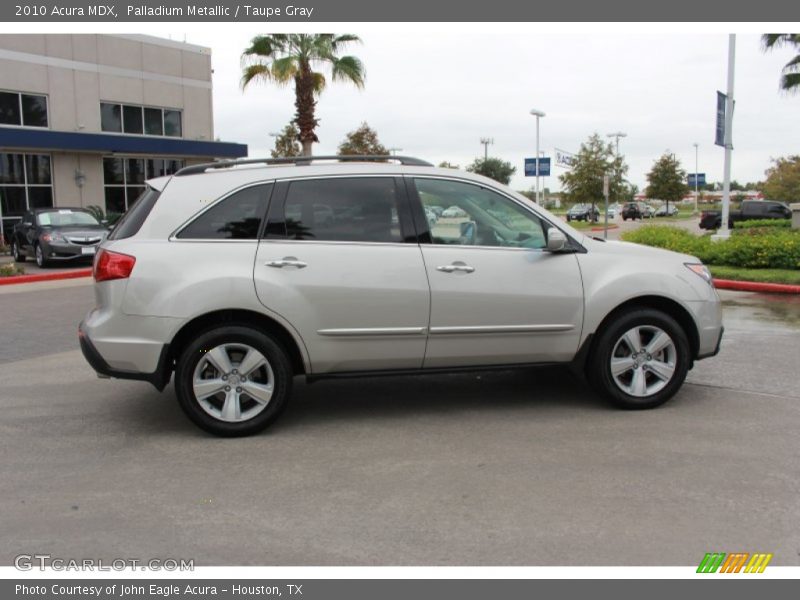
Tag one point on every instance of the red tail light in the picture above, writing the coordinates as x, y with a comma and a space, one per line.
112, 265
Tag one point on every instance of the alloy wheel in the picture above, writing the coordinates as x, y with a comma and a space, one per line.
643, 361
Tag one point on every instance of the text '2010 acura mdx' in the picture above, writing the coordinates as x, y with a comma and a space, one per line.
239, 276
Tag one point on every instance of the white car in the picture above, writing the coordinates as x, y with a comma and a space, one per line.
453, 212
232, 277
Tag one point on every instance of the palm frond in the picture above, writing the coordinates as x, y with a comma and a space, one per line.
348, 68
257, 72
319, 82
284, 69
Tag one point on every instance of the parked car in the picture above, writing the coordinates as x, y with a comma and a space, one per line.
749, 210
583, 212
663, 211
453, 212
236, 299
431, 216
637, 210
51, 235
611, 212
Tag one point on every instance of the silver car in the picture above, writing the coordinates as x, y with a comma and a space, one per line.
227, 276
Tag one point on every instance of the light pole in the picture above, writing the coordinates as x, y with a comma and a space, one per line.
696, 146
723, 231
538, 114
486, 141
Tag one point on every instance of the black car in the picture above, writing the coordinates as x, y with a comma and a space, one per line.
57, 234
750, 210
583, 212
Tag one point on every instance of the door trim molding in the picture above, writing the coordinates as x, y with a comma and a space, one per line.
502, 329
372, 331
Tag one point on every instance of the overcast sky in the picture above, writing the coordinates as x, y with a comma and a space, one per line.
436, 95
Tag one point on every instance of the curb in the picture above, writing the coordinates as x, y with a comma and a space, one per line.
753, 286
46, 277
610, 227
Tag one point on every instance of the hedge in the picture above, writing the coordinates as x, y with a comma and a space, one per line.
758, 223
762, 249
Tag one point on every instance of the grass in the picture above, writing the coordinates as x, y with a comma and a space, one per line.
787, 276
11, 269
583, 225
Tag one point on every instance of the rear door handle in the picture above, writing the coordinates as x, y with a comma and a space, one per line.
286, 261
456, 266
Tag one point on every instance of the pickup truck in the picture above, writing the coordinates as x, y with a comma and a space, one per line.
750, 209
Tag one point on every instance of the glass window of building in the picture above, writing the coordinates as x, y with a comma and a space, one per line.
18, 108
123, 178
25, 183
138, 120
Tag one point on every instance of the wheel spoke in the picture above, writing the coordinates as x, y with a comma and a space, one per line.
219, 359
231, 410
203, 388
252, 361
638, 383
662, 370
260, 392
621, 365
633, 339
660, 341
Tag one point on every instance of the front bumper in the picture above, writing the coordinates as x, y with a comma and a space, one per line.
715, 351
62, 251
159, 378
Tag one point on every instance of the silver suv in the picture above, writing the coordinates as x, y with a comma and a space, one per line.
239, 276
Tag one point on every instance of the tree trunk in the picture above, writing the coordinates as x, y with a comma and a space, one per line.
304, 104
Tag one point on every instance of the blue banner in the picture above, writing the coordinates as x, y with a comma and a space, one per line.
701, 179
530, 167
721, 101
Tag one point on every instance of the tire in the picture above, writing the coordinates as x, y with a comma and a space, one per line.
225, 412
18, 256
644, 384
41, 261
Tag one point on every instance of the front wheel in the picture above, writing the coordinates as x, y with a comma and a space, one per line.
640, 359
41, 261
18, 256
233, 381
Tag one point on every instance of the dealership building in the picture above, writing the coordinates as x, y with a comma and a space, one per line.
86, 119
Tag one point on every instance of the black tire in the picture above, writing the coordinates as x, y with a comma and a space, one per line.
598, 368
233, 334
41, 261
18, 256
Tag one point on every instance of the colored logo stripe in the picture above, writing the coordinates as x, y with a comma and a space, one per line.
734, 562
711, 562
758, 563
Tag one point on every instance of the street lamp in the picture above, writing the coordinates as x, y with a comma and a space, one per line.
486, 141
393, 151
537, 113
618, 134
696, 146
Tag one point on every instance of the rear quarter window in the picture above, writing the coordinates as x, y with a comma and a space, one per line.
130, 224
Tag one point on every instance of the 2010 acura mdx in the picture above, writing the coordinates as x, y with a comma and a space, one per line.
239, 276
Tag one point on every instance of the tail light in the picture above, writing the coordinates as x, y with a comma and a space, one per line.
112, 265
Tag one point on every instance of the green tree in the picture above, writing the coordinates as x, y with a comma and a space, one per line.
595, 159
493, 168
790, 77
291, 58
362, 141
666, 180
447, 165
286, 143
783, 179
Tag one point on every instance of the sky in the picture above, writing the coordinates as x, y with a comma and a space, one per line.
435, 94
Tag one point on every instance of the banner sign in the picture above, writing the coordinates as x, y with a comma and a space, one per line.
722, 100
530, 167
565, 160
701, 179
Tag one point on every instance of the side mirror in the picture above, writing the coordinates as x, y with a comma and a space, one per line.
468, 232
556, 240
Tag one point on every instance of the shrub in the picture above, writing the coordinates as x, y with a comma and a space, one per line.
758, 223
11, 269
765, 248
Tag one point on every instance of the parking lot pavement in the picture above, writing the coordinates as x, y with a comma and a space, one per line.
516, 468
31, 268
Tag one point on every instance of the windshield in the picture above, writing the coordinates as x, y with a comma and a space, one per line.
66, 217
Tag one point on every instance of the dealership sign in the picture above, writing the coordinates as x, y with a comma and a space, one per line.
565, 160
530, 167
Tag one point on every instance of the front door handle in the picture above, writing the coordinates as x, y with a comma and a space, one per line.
456, 266
286, 261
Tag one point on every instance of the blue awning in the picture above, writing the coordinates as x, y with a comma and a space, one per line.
39, 140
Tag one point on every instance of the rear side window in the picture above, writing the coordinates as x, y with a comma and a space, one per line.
343, 210
131, 223
237, 217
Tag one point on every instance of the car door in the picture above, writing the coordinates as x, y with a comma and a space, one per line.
28, 228
497, 297
340, 262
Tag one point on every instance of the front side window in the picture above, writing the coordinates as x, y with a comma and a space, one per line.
466, 214
343, 210
237, 217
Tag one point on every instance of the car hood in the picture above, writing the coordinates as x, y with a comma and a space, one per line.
637, 250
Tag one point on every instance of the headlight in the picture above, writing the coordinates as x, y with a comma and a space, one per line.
53, 236
701, 270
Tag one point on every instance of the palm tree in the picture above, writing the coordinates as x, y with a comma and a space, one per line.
283, 58
790, 81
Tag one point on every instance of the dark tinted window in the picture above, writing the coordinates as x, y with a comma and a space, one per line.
9, 108
357, 210
113, 170
152, 121
115, 200
38, 166
133, 219
34, 110
237, 217
110, 117
11, 168
40, 197
132, 119
134, 171
12, 200
172, 123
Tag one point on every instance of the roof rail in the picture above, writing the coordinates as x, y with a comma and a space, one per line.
300, 161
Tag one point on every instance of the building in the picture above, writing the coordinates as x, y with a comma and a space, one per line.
86, 119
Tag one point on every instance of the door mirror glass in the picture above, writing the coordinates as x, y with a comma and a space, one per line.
556, 240
468, 231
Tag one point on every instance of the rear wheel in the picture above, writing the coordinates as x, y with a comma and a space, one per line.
640, 359
233, 381
15, 252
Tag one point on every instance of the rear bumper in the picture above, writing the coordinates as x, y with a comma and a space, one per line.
159, 378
